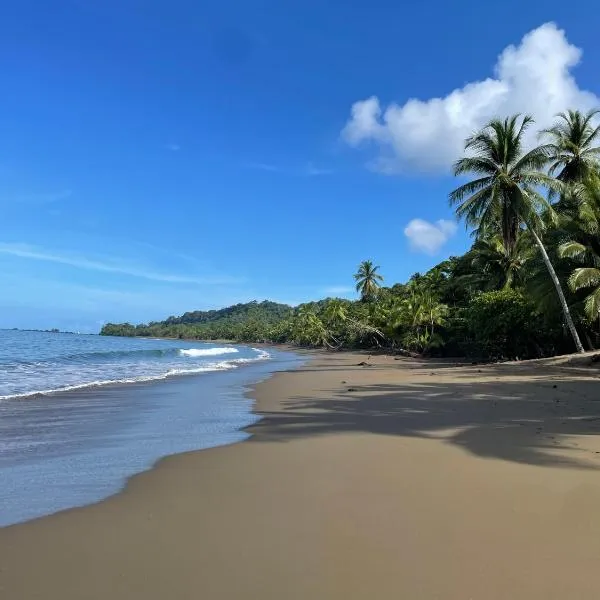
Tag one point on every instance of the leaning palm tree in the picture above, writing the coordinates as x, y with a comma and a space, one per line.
504, 198
336, 313
367, 280
574, 153
307, 329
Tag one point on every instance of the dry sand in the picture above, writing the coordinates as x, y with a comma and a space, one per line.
403, 479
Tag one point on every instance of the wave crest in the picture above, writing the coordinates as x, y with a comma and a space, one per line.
195, 352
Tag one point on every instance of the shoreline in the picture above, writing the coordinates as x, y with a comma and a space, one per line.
406, 479
141, 380
84, 444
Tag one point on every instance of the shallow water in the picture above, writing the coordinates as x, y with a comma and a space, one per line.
36, 362
68, 449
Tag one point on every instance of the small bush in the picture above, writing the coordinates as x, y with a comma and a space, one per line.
505, 325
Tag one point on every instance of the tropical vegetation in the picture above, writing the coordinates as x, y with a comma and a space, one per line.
528, 286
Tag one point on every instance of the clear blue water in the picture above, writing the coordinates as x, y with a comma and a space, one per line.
81, 414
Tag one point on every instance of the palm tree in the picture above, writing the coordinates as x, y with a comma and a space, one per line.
335, 311
367, 280
495, 267
504, 198
420, 312
573, 155
585, 277
337, 315
308, 329
586, 248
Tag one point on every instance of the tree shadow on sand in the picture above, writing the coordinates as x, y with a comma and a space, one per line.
520, 420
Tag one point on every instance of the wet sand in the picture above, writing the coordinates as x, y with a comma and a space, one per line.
401, 479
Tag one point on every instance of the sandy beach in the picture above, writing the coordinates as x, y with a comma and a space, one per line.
398, 479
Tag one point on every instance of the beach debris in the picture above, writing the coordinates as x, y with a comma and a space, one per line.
352, 389
363, 364
344, 382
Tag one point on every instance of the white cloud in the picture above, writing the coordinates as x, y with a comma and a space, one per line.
532, 78
427, 237
109, 265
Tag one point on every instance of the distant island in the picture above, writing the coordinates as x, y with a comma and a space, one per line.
53, 330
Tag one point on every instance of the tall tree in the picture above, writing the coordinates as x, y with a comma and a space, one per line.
367, 280
504, 197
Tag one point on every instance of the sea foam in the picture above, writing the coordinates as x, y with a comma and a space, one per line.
195, 352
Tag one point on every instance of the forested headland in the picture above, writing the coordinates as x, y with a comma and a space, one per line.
529, 286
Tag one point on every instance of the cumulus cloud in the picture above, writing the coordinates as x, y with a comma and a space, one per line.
427, 237
531, 78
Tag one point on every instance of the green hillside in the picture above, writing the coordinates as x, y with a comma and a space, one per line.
242, 322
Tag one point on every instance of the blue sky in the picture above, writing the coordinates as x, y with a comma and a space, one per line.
157, 157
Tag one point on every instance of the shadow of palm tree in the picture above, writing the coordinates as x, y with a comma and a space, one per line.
516, 419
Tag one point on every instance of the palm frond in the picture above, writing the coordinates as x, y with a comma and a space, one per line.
536, 158
571, 249
584, 277
592, 305
472, 208
475, 164
469, 188
527, 121
538, 178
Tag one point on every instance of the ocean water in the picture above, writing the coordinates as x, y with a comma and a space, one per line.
80, 414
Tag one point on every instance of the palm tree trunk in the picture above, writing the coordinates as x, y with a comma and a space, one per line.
561, 296
588, 339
